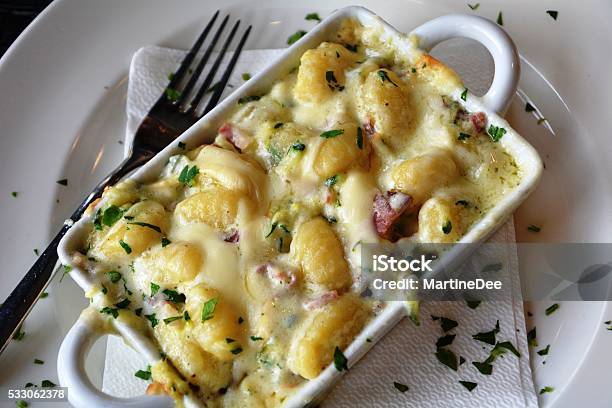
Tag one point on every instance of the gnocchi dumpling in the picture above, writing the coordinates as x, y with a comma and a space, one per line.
215, 206
215, 323
337, 154
198, 366
168, 266
320, 254
141, 227
386, 102
420, 176
334, 325
321, 72
440, 221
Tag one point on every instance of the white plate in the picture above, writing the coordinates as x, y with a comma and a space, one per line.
62, 113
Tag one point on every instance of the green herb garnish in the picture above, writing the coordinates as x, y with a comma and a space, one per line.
188, 175
500, 19
111, 215
146, 225
544, 351
165, 242
382, 74
529, 107
546, 389
359, 138
37, 361
484, 367
295, 36
534, 228
552, 309
474, 6
168, 320
249, 98
531, 338
469, 385
123, 304
186, 316
237, 350
298, 147
14, 194
144, 375
110, 311
114, 276
182, 145
553, 13
312, 16
44, 295
473, 304
174, 296
208, 310
154, 288
332, 133
445, 323
173, 95
21, 404
496, 132
447, 228
153, 319
463, 136
464, 94
246, 76
445, 340
400, 387
487, 337
447, 357
125, 246
63, 182
47, 384
340, 360
255, 338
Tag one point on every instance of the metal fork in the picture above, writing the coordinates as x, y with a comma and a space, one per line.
170, 116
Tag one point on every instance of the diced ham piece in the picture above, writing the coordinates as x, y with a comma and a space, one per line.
479, 120
278, 276
232, 236
321, 301
235, 136
387, 209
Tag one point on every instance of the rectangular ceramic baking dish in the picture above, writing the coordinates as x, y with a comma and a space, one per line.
81, 336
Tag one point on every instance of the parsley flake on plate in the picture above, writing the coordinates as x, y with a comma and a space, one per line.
295, 36
445, 323
464, 94
531, 338
500, 19
144, 374
534, 228
544, 351
552, 309
496, 132
340, 360
447, 357
474, 6
63, 182
553, 13
312, 16
469, 385
400, 387
546, 390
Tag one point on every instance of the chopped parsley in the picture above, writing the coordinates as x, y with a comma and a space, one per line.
463, 136
295, 36
359, 138
473, 304
123, 304
553, 13
500, 19
47, 384
534, 228
19, 334
153, 319
312, 16
21, 404
188, 175
496, 132
173, 95
125, 246
165, 242
400, 387
186, 316
249, 98
110, 311
154, 288
474, 6
208, 310
447, 357
544, 351
332, 82
240, 320
111, 215
464, 94
14, 194
351, 47
382, 74
546, 389
529, 107
44, 295
484, 367
63, 182
114, 276
340, 360
36, 252
229, 340
445, 340
469, 385
298, 147
255, 338
246, 76
237, 350
138, 311
144, 374
168, 320
145, 225
182, 145
331, 180
332, 133
552, 309
174, 296
447, 228
67, 270
487, 337
531, 338
445, 323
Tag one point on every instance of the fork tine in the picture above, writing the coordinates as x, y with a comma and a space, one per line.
198, 70
180, 73
213, 70
228, 71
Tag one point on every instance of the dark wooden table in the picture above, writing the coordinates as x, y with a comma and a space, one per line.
15, 15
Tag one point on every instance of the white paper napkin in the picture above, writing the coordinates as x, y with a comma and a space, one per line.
406, 354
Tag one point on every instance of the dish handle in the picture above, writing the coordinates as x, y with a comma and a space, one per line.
81, 392
495, 40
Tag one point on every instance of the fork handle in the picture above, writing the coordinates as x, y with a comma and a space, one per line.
19, 303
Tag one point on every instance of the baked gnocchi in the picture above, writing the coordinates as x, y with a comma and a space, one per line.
240, 260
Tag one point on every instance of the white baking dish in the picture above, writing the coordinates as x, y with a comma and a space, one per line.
81, 336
